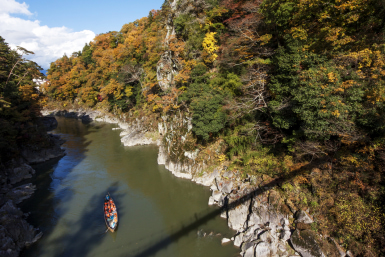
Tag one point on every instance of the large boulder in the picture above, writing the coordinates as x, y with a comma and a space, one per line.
15, 232
49, 122
36, 155
24, 171
263, 250
238, 215
309, 244
303, 217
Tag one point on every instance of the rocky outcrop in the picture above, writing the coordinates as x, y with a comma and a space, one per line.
133, 133
166, 70
34, 154
19, 173
49, 123
168, 66
86, 116
15, 232
309, 244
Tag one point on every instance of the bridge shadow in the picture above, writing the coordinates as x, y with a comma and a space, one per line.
203, 218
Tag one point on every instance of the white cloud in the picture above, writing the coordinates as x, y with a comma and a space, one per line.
47, 43
11, 6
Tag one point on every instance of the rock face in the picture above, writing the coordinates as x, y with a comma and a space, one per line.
50, 123
86, 116
166, 69
19, 173
309, 244
15, 232
303, 217
36, 155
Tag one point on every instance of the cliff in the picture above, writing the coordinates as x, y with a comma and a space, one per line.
15, 232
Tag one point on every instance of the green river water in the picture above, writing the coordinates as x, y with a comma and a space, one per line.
159, 214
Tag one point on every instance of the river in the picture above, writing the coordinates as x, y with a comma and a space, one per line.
159, 214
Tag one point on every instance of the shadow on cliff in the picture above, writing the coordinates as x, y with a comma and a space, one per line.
202, 218
48, 202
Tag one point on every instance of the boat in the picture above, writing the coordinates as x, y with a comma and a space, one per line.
111, 218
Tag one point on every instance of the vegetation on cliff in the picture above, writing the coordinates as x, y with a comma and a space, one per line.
284, 84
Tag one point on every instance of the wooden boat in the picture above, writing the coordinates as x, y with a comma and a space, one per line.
112, 221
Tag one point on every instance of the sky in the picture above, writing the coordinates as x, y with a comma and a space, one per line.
52, 28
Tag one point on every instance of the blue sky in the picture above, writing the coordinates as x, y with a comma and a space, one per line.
97, 16
51, 28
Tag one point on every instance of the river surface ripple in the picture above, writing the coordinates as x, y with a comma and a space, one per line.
159, 214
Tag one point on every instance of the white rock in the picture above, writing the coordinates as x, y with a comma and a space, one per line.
192, 154
217, 196
303, 217
225, 240
262, 250
249, 252
284, 222
264, 236
237, 216
238, 239
285, 235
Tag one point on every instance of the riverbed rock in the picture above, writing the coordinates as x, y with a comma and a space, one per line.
136, 137
36, 155
20, 193
49, 122
225, 241
15, 232
207, 178
237, 216
17, 174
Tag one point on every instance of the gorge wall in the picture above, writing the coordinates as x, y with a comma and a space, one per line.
15, 232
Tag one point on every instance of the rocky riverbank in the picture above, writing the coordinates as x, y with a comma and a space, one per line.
265, 223
15, 232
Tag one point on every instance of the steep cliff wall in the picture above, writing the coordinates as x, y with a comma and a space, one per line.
15, 232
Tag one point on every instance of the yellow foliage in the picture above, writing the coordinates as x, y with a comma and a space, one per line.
221, 158
299, 32
210, 47
332, 77
265, 39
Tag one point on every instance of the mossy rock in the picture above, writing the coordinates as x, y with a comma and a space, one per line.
309, 244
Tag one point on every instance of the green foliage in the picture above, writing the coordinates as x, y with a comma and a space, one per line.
18, 101
238, 143
205, 103
187, 27
87, 55
230, 84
